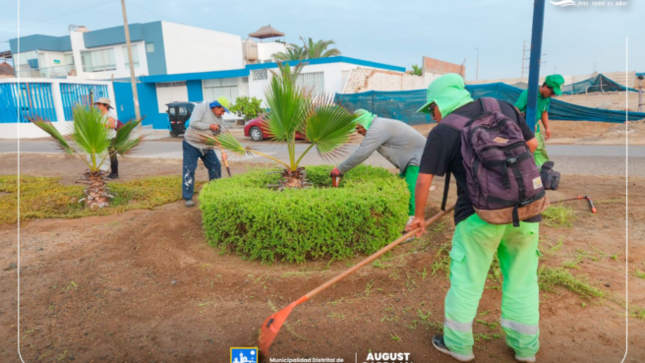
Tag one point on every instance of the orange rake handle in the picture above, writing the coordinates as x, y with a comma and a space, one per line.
271, 326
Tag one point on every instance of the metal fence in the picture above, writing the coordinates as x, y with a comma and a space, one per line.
19, 101
74, 94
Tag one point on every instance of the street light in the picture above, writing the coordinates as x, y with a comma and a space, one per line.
477, 75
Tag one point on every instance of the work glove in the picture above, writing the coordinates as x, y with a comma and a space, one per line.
335, 172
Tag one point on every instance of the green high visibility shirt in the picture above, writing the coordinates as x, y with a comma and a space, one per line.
542, 106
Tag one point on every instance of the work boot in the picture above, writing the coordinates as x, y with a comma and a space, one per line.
404, 232
113, 176
190, 203
525, 359
440, 345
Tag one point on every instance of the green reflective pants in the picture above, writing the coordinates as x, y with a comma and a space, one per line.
474, 244
540, 155
411, 174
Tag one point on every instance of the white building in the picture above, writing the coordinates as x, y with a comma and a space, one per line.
173, 62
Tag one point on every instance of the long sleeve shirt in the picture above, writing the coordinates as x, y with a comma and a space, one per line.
398, 142
200, 120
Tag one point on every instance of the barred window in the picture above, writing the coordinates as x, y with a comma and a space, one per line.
313, 81
260, 75
215, 88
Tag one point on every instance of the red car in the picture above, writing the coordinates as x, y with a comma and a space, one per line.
258, 130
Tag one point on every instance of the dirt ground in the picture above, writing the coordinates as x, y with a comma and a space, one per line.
143, 286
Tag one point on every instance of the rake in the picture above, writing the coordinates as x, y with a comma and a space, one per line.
273, 323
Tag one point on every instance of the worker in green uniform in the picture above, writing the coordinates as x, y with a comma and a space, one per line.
396, 141
475, 241
552, 86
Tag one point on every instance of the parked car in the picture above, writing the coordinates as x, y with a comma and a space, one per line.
258, 130
179, 115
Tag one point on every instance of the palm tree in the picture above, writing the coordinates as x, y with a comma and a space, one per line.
93, 144
319, 49
416, 70
325, 124
308, 50
292, 52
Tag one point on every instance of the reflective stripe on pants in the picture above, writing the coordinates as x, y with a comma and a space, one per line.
474, 244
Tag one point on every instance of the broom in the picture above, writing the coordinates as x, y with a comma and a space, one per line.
271, 326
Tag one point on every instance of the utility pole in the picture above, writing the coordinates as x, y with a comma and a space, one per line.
534, 64
477, 76
135, 94
526, 58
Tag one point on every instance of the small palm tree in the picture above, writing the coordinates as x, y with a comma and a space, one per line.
94, 143
326, 125
292, 52
319, 49
416, 70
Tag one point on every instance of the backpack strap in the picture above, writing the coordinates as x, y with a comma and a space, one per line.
446, 186
490, 104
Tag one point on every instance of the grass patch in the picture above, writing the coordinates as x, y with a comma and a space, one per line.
46, 197
549, 278
559, 216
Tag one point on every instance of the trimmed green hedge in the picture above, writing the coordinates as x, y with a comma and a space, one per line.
366, 212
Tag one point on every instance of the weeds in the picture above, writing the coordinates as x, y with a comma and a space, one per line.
559, 216
549, 278
395, 337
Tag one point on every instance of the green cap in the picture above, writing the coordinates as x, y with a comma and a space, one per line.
364, 118
555, 81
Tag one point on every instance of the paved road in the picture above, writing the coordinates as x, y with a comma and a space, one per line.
569, 159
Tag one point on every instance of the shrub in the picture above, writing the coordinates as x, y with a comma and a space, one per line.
247, 108
366, 212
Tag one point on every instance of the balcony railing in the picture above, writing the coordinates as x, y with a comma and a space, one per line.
49, 72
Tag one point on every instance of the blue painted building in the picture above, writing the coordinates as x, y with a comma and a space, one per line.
173, 62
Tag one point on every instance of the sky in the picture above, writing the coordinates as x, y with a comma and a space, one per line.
576, 40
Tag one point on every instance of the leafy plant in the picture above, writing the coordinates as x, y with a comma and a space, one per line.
416, 70
94, 143
310, 49
247, 108
326, 125
362, 215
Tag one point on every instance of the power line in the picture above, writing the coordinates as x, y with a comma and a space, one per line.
62, 15
150, 11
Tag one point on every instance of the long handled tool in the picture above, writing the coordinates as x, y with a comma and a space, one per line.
580, 197
273, 323
225, 159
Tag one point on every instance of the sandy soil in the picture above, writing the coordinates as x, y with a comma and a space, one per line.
144, 286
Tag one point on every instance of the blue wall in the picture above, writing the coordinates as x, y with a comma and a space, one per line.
195, 93
147, 103
42, 42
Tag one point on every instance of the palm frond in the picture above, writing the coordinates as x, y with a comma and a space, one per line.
123, 143
289, 104
90, 132
49, 128
330, 126
230, 143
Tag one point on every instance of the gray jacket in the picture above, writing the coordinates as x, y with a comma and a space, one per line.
200, 120
399, 143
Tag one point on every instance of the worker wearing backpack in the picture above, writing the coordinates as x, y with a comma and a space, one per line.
487, 146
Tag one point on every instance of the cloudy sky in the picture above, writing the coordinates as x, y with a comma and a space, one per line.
577, 40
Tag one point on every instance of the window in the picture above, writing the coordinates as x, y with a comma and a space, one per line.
98, 60
314, 81
170, 84
227, 87
69, 59
260, 75
150, 47
135, 56
182, 111
171, 111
